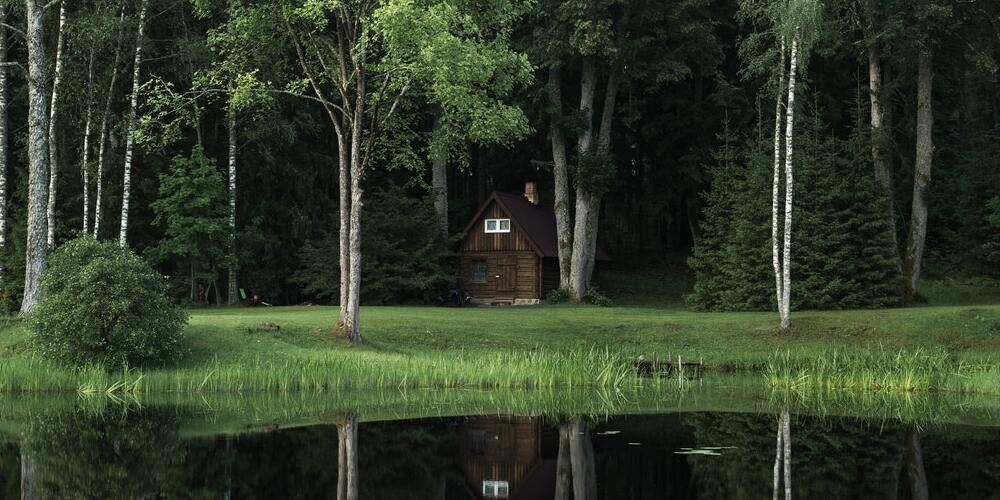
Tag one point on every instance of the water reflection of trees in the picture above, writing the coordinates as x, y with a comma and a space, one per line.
86, 454
575, 465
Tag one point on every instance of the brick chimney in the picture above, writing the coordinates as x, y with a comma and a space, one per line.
531, 192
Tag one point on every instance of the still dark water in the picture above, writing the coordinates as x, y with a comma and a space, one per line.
147, 452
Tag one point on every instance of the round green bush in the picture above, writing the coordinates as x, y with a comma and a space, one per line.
102, 304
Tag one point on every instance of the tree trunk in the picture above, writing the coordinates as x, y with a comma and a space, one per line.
130, 133
786, 267
345, 223
352, 327
584, 201
564, 468
776, 182
581, 451
105, 116
30, 489
439, 181
347, 459
921, 176
53, 126
914, 459
232, 286
194, 285
38, 156
779, 449
560, 173
84, 166
880, 160
786, 443
3, 145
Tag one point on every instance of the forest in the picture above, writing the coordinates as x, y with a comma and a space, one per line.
332, 151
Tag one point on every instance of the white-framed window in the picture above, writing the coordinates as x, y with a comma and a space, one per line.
478, 271
497, 225
495, 489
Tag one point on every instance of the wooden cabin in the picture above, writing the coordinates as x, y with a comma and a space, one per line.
509, 254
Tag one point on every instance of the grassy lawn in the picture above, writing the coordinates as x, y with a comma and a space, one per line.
724, 340
229, 349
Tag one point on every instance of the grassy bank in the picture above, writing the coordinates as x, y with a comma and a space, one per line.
228, 350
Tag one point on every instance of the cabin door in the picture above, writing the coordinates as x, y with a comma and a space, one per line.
506, 273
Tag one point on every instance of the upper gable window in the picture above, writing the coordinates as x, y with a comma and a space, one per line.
497, 225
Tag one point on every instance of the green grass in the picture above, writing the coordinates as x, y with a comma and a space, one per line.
529, 347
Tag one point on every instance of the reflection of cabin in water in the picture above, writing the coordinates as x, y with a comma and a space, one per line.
502, 457
510, 251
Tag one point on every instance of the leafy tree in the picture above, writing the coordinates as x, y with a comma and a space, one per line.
192, 211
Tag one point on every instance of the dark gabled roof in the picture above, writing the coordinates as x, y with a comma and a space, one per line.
537, 222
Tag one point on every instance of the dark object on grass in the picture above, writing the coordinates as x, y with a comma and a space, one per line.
454, 298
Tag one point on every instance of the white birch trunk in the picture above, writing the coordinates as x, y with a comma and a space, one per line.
53, 126
105, 116
36, 258
233, 292
560, 173
786, 269
130, 133
3, 143
84, 163
776, 185
921, 176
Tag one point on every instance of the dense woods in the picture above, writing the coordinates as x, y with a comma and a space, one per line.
332, 150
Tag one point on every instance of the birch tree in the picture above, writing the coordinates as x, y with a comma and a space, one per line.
794, 27
85, 148
103, 134
130, 131
232, 282
3, 141
360, 60
36, 256
53, 127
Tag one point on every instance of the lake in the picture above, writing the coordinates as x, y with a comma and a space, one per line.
720, 441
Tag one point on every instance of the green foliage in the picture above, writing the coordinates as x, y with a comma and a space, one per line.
842, 247
103, 305
557, 296
404, 254
594, 297
192, 210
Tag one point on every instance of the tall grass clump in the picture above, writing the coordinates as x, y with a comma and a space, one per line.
879, 370
593, 368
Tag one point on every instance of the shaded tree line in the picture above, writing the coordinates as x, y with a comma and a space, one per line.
234, 143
